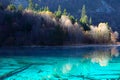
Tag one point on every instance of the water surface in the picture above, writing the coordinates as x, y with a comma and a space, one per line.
60, 63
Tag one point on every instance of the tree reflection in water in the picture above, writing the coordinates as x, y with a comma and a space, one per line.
88, 63
102, 56
84, 63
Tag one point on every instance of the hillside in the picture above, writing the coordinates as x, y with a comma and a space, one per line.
99, 10
37, 24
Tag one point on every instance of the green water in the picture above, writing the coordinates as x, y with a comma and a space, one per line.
60, 63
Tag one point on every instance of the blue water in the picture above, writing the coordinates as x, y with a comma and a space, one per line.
60, 63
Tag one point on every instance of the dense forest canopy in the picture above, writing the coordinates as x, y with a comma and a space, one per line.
40, 26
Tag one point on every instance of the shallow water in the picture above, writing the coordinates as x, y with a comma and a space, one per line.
60, 63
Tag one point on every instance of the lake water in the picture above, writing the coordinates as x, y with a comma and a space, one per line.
60, 63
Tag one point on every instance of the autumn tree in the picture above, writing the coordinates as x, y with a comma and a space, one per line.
100, 33
114, 37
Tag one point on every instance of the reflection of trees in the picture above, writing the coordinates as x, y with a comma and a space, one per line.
103, 56
83, 67
114, 52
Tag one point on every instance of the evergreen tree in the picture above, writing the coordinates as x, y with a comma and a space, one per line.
46, 9
90, 21
36, 6
58, 12
83, 13
11, 7
72, 19
20, 7
30, 5
64, 12
84, 18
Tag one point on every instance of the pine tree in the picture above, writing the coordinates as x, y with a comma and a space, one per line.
36, 6
20, 7
84, 18
90, 21
64, 12
46, 9
30, 5
58, 12
83, 13
72, 19
11, 7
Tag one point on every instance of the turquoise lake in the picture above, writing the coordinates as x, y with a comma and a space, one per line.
60, 63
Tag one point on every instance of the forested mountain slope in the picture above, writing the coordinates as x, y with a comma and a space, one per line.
99, 10
37, 24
